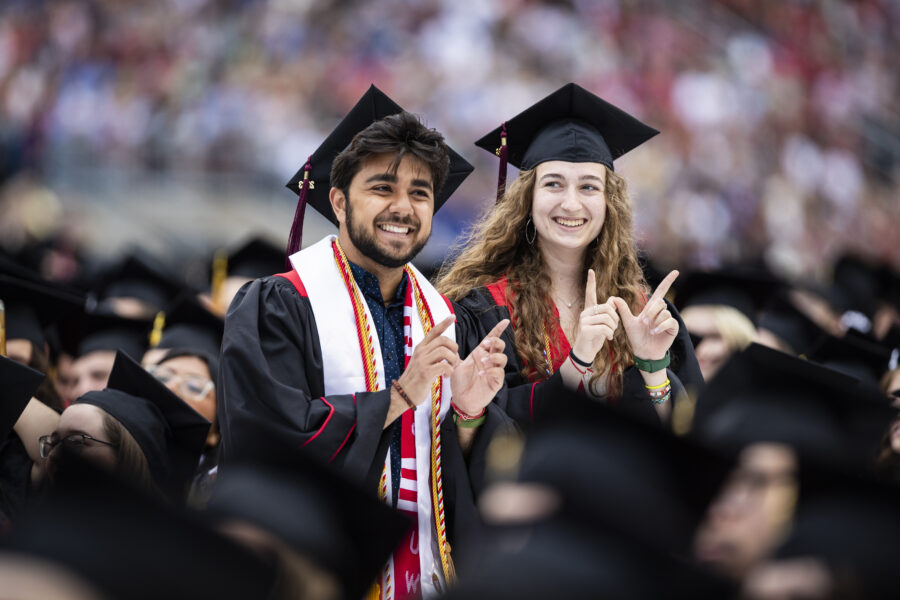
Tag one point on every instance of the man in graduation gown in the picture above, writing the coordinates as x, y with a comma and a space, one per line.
351, 354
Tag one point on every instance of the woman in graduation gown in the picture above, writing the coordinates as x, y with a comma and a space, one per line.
556, 255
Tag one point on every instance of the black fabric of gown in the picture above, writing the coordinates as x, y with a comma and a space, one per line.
528, 403
271, 390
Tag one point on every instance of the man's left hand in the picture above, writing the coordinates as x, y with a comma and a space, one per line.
477, 379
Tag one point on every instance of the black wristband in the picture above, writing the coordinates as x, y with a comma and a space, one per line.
578, 361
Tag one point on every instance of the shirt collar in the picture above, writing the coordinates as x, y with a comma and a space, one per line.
371, 288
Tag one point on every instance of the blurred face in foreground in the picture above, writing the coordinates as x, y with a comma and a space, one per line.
748, 518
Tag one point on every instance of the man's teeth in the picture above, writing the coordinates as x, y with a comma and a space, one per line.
570, 222
394, 228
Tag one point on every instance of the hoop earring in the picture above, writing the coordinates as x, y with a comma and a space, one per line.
530, 239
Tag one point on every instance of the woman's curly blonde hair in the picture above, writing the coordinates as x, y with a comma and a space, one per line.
496, 246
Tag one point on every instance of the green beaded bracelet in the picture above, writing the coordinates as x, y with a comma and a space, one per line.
469, 423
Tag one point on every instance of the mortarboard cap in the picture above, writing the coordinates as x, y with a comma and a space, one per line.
17, 385
170, 433
31, 307
855, 285
130, 546
254, 258
313, 510
313, 181
562, 560
644, 481
139, 276
189, 326
763, 395
853, 525
571, 125
88, 332
855, 355
743, 291
782, 318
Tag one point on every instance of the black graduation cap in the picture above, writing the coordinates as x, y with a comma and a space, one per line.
254, 258
855, 355
170, 433
139, 276
643, 481
17, 385
745, 291
855, 285
31, 307
764, 395
317, 513
312, 182
783, 319
571, 125
88, 332
563, 560
853, 525
188, 325
128, 545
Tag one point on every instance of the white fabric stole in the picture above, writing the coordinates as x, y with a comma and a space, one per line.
344, 373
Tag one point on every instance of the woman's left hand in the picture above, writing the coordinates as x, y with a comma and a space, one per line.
653, 330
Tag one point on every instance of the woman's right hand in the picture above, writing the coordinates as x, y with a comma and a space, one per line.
597, 323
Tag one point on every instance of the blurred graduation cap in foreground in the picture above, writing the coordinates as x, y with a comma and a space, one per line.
764, 395
852, 525
312, 183
308, 507
130, 546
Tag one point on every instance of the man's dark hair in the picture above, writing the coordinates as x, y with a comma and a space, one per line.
401, 134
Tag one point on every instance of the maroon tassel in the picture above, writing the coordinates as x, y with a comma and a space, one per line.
502, 151
296, 237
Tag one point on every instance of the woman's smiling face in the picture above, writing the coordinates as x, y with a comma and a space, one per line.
569, 205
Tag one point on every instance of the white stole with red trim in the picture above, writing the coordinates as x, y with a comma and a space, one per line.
344, 373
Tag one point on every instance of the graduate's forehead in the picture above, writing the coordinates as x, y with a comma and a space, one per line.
386, 167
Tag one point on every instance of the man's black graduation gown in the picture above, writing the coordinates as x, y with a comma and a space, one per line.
529, 403
271, 388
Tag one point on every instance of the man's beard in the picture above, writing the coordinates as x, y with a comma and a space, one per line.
366, 244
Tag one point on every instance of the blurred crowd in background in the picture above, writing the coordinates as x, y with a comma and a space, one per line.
174, 124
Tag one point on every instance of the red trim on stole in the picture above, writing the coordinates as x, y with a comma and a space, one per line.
294, 278
322, 427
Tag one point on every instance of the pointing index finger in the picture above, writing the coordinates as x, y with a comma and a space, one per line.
439, 329
498, 329
590, 289
664, 286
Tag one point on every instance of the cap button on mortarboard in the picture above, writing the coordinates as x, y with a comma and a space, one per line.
295, 239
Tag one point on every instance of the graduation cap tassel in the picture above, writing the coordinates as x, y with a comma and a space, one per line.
502, 152
295, 239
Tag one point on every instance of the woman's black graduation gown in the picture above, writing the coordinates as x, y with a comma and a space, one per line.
272, 392
529, 403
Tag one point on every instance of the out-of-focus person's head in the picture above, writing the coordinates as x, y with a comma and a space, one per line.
190, 375
718, 332
93, 340
750, 515
776, 413
135, 428
720, 311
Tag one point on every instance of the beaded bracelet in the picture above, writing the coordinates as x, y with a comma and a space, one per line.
396, 385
